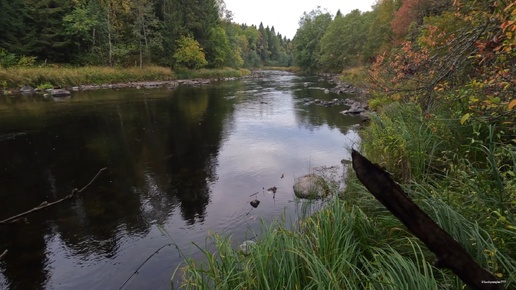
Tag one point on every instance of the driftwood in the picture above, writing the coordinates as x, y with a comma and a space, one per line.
450, 254
75, 192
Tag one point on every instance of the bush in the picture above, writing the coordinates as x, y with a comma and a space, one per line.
189, 54
7, 59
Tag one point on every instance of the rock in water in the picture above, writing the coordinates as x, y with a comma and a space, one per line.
246, 247
59, 93
311, 186
255, 203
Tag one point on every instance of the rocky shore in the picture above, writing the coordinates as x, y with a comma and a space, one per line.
357, 105
65, 92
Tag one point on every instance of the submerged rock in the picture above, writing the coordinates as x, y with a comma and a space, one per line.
246, 247
311, 186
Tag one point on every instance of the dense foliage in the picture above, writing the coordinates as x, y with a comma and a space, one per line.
133, 32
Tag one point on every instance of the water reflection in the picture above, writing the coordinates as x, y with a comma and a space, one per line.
187, 159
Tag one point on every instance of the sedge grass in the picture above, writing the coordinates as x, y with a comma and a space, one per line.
75, 76
356, 243
338, 247
93, 75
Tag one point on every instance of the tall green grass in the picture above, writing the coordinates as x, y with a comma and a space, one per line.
461, 175
337, 248
91, 75
401, 140
75, 76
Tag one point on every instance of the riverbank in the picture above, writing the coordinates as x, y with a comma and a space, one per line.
13, 79
461, 174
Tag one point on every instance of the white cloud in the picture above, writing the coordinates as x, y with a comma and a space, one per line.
285, 15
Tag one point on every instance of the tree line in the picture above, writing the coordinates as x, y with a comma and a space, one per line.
422, 51
178, 33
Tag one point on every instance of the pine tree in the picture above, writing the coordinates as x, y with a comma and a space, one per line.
12, 27
45, 36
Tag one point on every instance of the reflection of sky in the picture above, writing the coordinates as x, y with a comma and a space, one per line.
264, 139
267, 141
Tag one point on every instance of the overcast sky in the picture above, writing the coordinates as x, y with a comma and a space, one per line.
284, 15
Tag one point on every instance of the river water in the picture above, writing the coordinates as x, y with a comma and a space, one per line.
181, 163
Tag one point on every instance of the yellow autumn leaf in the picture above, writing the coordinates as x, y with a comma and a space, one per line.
464, 118
512, 104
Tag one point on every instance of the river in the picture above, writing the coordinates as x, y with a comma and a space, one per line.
181, 164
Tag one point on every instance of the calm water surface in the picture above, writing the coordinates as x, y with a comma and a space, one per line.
182, 161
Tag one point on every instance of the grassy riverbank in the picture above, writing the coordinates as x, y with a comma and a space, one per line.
461, 173
50, 76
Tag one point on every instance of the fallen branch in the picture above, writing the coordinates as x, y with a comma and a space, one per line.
3, 254
75, 192
450, 254
143, 264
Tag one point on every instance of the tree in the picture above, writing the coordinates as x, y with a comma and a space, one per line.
380, 32
263, 44
146, 30
274, 46
189, 53
412, 12
12, 26
217, 47
237, 44
189, 17
82, 24
44, 36
343, 43
312, 27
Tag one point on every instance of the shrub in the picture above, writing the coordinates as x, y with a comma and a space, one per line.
190, 54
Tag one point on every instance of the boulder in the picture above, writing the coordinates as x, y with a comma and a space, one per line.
60, 93
311, 186
246, 247
355, 108
26, 90
255, 203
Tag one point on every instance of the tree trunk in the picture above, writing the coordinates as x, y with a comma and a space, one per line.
450, 254
109, 36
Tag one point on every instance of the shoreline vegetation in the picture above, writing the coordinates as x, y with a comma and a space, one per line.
96, 77
354, 242
102, 77
460, 172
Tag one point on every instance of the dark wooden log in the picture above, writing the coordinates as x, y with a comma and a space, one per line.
450, 254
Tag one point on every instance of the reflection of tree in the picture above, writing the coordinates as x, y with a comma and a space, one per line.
26, 251
161, 153
198, 132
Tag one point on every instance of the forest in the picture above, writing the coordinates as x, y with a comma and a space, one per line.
192, 34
